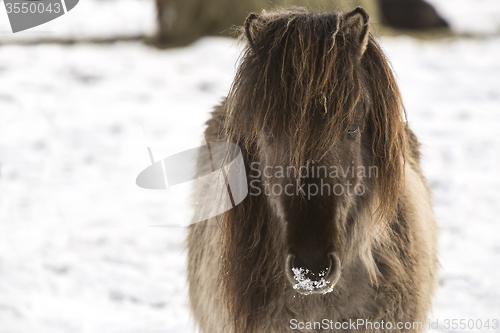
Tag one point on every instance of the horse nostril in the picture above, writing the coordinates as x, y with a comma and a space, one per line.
318, 277
314, 268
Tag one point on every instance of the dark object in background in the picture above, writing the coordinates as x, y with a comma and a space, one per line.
410, 14
164, 19
181, 22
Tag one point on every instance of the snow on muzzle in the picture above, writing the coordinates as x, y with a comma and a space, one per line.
318, 280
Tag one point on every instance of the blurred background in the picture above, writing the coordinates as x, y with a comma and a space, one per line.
81, 97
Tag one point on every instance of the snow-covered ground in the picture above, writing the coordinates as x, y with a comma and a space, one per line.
479, 17
78, 248
89, 19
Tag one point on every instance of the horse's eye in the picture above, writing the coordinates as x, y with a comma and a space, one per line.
268, 134
352, 128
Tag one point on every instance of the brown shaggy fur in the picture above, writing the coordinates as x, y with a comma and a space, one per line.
305, 78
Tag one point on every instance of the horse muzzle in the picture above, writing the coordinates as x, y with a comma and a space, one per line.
319, 278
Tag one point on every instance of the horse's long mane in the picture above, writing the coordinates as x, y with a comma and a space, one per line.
301, 77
